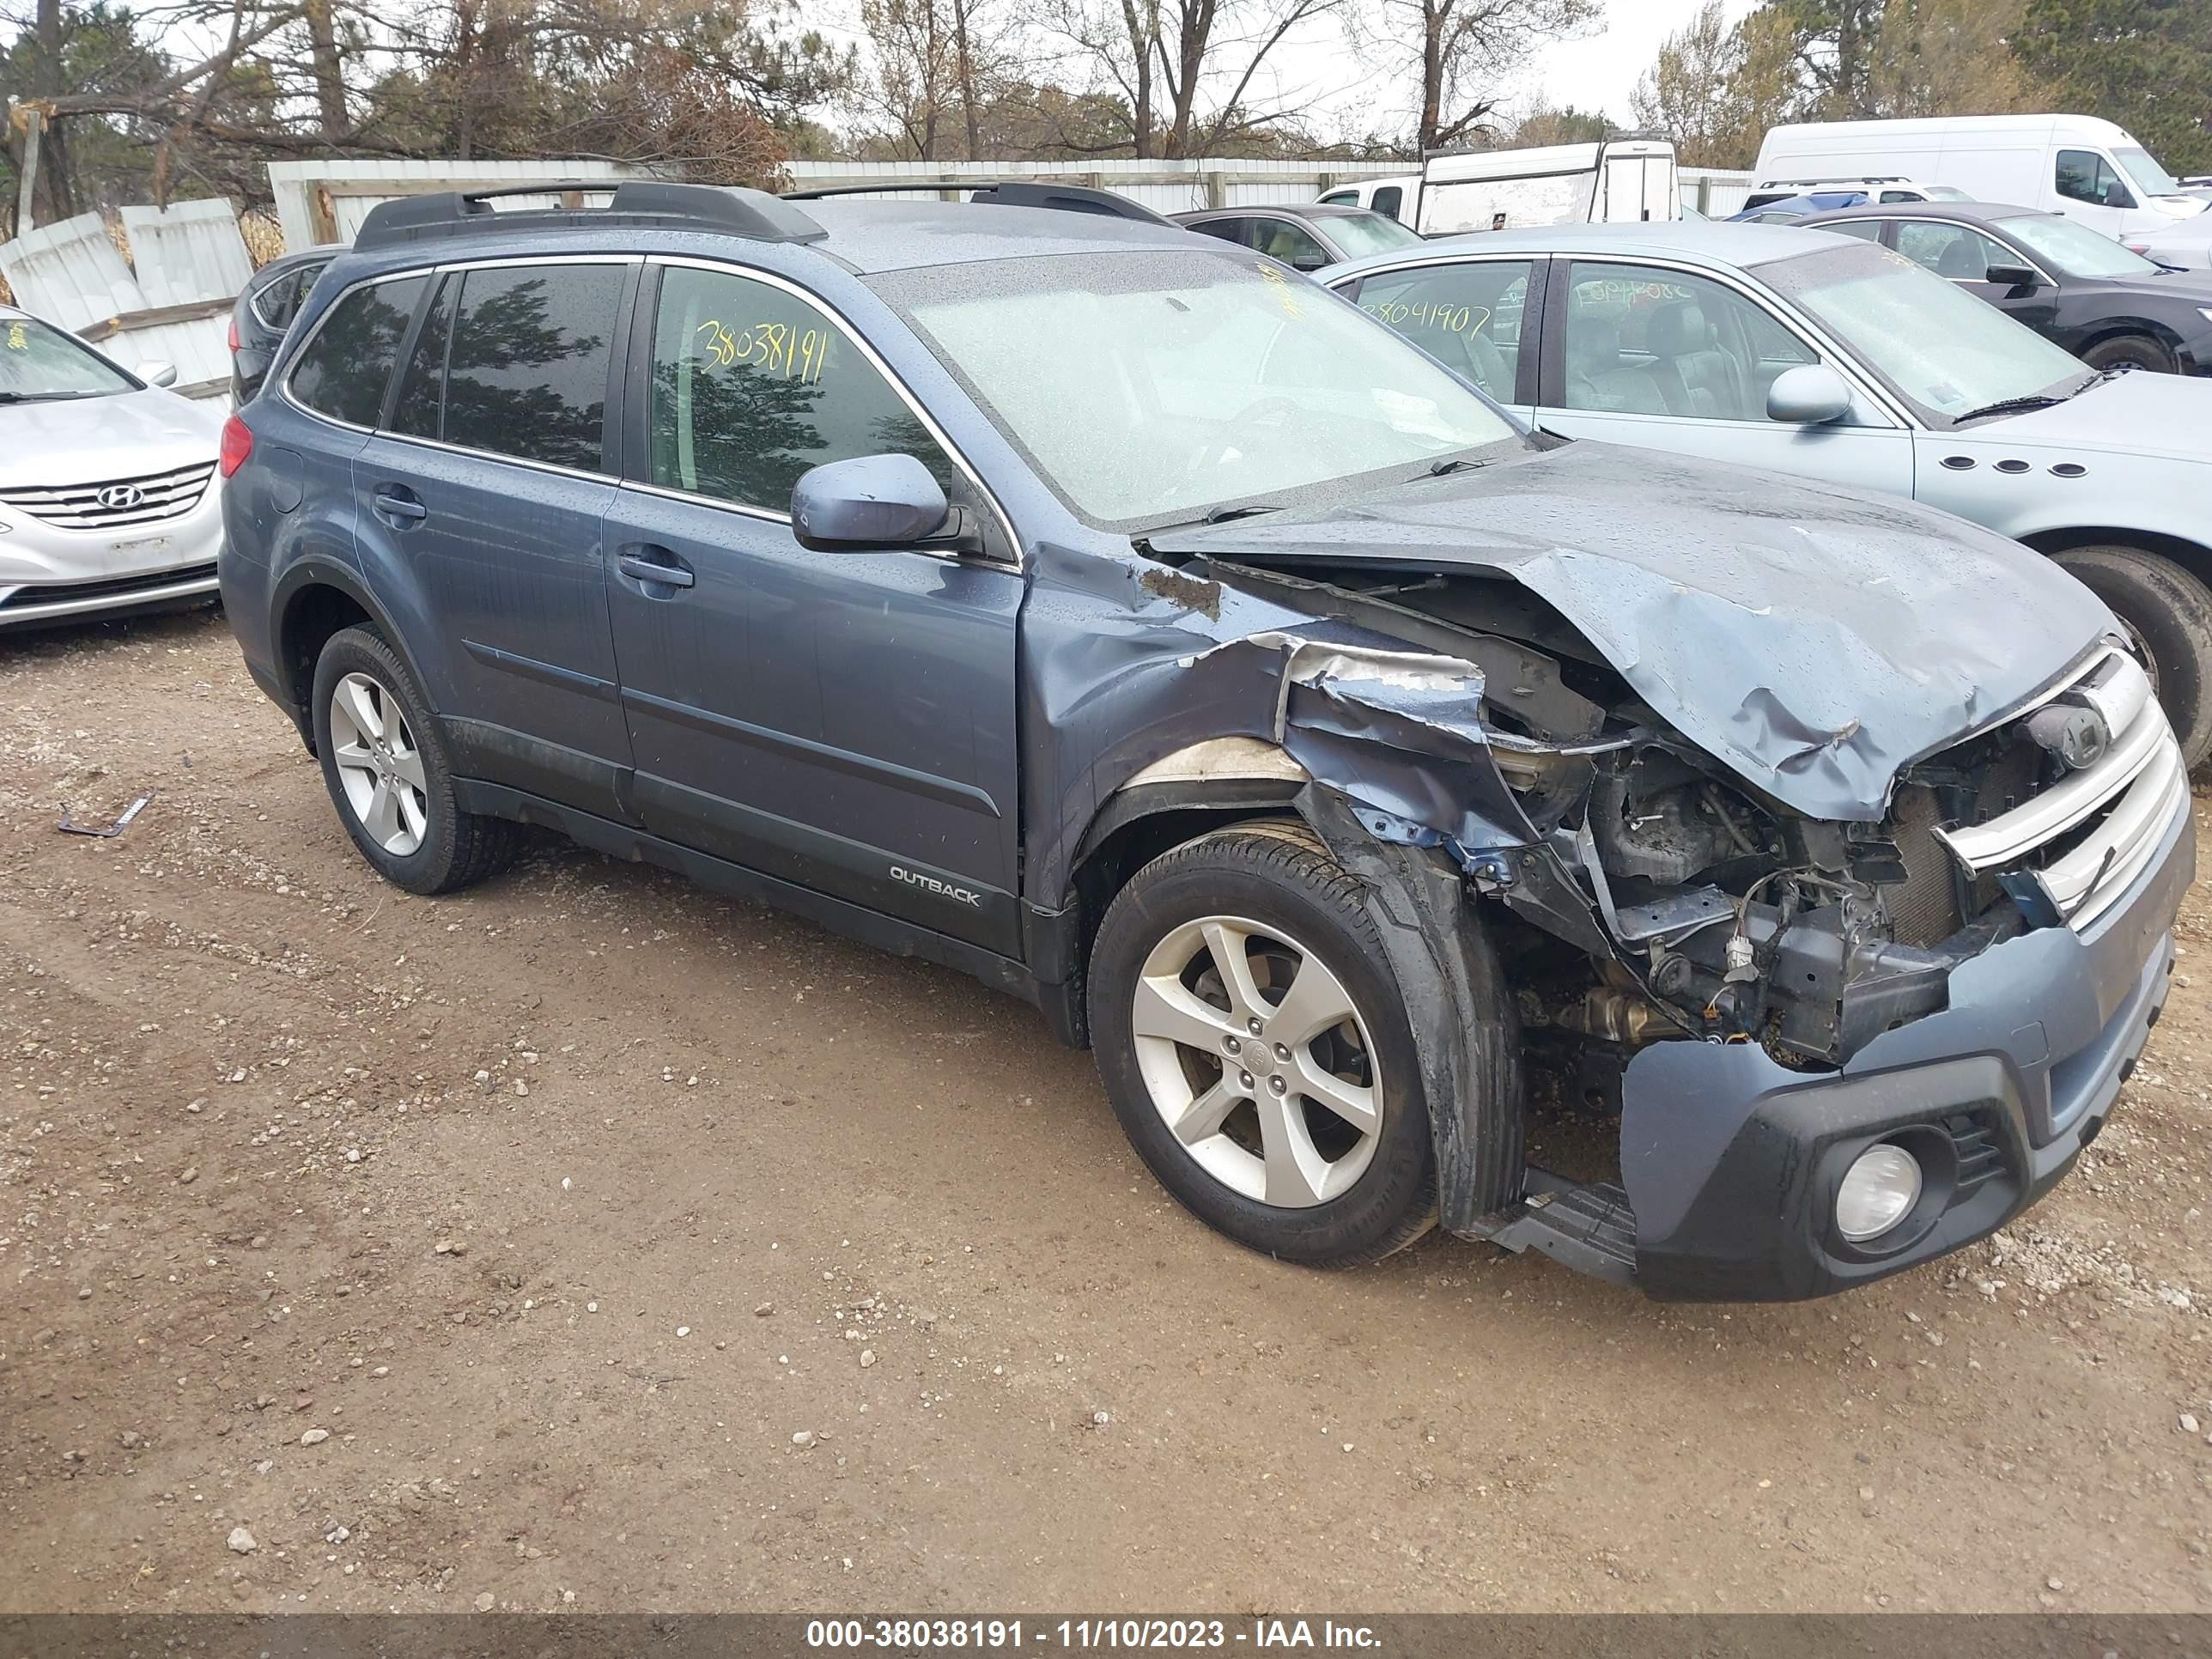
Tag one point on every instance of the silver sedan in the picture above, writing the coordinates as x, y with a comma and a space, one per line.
107, 494
1828, 357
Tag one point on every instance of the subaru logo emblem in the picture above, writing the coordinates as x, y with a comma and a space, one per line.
119, 496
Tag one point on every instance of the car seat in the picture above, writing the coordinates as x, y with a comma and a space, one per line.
1693, 375
1596, 377
1962, 262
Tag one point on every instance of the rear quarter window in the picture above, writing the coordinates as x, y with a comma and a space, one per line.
345, 367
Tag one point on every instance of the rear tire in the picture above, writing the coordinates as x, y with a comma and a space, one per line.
2167, 611
385, 763
2132, 351
1311, 1144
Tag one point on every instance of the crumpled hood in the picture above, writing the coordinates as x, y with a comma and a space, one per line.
96, 440
1813, 640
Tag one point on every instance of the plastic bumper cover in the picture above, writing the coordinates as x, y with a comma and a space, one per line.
1731, 1162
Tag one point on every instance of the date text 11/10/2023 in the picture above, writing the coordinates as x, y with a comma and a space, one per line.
1083, 1635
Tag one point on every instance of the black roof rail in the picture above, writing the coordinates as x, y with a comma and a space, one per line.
1008, 193
734, 211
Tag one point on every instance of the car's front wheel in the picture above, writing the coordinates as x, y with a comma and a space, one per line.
385, 767
2168, 612
1256, 1050
2131, 351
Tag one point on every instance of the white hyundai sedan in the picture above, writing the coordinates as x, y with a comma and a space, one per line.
107, 496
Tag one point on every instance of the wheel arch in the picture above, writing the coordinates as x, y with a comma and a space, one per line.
2114, 328
1178, 798
2195, 557
316, 600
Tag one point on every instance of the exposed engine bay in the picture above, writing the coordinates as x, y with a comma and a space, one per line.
1672, 900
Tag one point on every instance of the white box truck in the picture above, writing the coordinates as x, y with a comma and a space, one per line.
2087, 169
1626, 179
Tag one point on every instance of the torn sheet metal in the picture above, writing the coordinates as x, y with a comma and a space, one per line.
1813, 640
1192, 661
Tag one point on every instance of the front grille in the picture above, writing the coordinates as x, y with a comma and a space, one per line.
2084, 839
148, 500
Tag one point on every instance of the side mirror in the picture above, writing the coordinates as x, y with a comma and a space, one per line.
156, 372
870, 501
1811, 394
2116, 196
2011, 276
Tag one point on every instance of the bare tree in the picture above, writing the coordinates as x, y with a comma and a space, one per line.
933, 58
1459, 54
1191, 72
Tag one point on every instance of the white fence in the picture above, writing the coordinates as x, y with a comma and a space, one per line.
1714, 193
319, 202
170, 303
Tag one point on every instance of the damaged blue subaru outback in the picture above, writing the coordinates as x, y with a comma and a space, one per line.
1109, 613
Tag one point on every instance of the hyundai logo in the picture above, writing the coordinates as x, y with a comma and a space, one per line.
119, 496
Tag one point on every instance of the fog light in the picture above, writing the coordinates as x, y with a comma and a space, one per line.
1879, 1191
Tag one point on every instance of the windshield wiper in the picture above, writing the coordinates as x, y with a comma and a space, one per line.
1223, 514
2009, 406
1457, 464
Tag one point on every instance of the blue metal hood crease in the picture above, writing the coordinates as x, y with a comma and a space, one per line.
1813, 640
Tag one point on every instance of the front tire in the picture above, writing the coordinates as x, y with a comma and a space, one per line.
2132, 351
385, 763
2168, 612
1255, 1046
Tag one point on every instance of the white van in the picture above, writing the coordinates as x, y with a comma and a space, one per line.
1625, 178
2089, 170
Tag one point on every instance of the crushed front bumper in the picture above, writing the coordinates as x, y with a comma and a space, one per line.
1730, 1161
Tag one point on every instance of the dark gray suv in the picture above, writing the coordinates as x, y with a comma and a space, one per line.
1111, 614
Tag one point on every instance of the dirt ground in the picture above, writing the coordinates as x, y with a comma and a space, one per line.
588, 1241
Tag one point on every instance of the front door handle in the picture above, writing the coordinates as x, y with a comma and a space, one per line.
398, 506
639, 568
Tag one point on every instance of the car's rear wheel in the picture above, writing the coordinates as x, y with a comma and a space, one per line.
1255, 1047
2167, 613
385, 766
2131, 351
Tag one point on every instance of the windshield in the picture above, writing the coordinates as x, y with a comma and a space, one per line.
1362, 233
1939, 347
2076, 249
1153, 388
2150, 177
38, 362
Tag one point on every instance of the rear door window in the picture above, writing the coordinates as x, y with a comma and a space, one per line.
345, 369
1229, 230
1387, 199
752, 386
1466, 316
527, 368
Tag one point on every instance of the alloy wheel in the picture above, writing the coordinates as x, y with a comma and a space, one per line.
1258, 1060
378, 766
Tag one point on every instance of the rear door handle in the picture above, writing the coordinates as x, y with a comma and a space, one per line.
639, 568
398, 506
